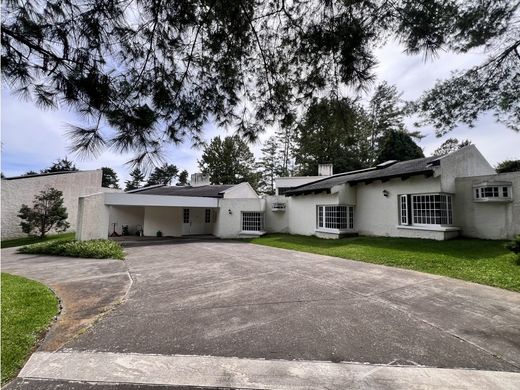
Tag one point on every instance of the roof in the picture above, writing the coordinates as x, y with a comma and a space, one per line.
207, 191
383, 171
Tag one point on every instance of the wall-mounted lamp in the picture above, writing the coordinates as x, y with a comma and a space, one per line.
386, 193
229, 212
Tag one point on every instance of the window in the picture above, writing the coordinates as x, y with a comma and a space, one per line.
252, 221
431, 209
207, 216
186, 215
403, 206
485, 192
335, 217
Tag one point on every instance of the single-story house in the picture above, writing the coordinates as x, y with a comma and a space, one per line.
433, 197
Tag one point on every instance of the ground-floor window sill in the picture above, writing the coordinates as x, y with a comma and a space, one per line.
252, 233
335, 231
430, 228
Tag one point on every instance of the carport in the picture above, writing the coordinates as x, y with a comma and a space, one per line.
171, 215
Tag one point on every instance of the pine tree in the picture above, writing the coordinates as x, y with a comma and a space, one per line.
163, 175
270, 165
109, 178
136, 181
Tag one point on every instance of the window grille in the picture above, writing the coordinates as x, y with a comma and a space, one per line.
207, 216
404, 209
252, 221
186, 215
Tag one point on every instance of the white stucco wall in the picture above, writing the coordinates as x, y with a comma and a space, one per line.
490, 220
276, 221
467, 161
22, 191
125, 215
166, 219
228, 224
92, 217
242, 191
302, 212
378, 215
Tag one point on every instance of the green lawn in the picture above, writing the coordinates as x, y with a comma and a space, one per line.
28, 308
479, 261
34, 240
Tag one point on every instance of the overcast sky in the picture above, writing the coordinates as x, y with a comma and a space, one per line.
32, 139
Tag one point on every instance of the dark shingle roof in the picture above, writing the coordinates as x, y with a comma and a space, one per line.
208, 191
400, 169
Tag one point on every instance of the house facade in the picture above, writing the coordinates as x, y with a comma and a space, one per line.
434, 198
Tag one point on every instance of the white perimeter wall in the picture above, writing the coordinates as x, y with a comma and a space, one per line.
491, 220
22, 191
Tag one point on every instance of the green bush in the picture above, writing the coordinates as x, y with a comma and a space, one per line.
514, 246
97, 249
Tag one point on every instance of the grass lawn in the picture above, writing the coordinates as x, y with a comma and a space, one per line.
479, 261
28, 307
34, 240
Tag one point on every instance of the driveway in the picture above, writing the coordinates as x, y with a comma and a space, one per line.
236, 300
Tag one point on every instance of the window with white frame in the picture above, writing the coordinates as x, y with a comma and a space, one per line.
186, 215
497, 192
335, 217
207, 216
403, 207
252, 221
431, 209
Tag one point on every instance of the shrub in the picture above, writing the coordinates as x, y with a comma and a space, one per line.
97, 249
514, 246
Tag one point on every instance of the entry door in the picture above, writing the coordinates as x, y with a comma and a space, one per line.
193, 221
197, 221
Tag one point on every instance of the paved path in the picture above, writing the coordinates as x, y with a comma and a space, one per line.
237, 300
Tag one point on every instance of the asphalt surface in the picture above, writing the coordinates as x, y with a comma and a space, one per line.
235, 299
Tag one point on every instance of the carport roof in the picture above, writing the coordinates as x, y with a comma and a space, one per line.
385, 171
207, 191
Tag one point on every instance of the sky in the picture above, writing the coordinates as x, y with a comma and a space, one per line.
33, 138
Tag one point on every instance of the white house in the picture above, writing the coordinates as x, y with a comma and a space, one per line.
433, 197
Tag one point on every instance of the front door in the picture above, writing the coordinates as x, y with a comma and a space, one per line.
193, 221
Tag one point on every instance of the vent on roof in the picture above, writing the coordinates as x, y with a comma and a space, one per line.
386, 164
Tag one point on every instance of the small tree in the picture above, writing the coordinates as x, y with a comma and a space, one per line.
163, 175
183, 178
136, 181
109, 179
61, 165
47, 213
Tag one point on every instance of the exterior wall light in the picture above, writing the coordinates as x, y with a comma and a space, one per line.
229, 212
386, 193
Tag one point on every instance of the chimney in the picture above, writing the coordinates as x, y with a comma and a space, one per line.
324, 169
198, 179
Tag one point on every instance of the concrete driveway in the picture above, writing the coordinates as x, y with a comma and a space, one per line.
237, 300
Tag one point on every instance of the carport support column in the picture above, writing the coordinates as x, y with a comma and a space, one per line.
93, 217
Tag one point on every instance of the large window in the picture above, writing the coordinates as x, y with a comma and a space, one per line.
252, 221
338, 217
426, 209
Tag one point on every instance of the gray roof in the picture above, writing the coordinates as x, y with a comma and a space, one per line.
418, 166
208, 191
